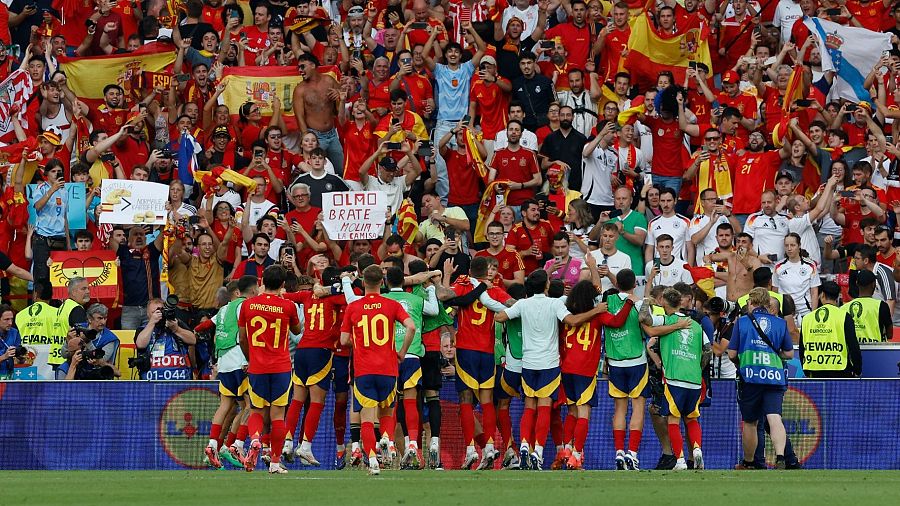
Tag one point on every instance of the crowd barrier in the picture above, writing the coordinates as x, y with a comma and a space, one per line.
132, 425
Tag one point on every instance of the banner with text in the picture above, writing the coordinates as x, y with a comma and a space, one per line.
128, 202
98, 267
354, 215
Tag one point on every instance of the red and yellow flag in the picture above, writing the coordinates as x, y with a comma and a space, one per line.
488, 200
89, 75
473, 155
98, 267
407, 221
650, 52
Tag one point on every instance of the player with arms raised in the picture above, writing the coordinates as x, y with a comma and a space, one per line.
264, 324
368, 327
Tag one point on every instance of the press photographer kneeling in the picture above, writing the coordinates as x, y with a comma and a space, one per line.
162, 346
85, 361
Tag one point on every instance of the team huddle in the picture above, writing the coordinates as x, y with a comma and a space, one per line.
378, 338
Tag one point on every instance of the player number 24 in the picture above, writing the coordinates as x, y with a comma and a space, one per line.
259, 325
583, 336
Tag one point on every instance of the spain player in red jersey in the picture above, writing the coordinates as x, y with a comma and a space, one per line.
266, 319
368, 327
581, 361
475, 366
312, 364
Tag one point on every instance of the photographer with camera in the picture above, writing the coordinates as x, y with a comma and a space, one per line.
162, 345
83, 360
11, 349
105, 340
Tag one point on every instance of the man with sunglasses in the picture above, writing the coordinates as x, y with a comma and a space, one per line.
316, 101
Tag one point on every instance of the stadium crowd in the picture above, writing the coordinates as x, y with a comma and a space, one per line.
558, 194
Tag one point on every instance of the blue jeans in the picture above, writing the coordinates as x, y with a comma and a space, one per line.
673, 182
442, 179
331, 143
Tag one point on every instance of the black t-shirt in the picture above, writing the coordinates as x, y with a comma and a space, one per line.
327, 184
567, 149
460, 259
5, 262
508, 59
535, 95
195, 32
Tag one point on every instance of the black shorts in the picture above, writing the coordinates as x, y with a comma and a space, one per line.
756, 401
431, 371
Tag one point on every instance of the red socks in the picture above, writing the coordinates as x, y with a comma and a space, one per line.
311, 424
676, 439
526, 426
505, 423
569, 428
242, 432
634, 440
542, 425
556, 426
695, 435
367, 430
340, 421
230, 439
411, 410
278, 432
293, 417
255, 425
387, 426
619, 439
488, 422
214, 432
581, 432
467, 421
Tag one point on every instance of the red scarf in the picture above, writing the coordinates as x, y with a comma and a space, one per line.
631, 160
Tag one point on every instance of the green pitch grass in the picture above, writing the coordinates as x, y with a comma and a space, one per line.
429, 488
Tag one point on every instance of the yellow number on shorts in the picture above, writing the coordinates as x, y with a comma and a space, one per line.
262, 326
371, 331
313, 309
479, 308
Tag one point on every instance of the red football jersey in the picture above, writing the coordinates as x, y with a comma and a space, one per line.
508, 260
476, 322
371, 321
321, 318
267, 320
581, 344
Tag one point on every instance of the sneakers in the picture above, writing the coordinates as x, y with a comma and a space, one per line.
524, 457
509, 457
252, 456
620, 460
374, 468
537, 461
698, 458
779, 463
471, 458
575, 461
391, 454
213, 457
266, 455
487, 459
383, 444
277, 469
356, 457
680, 465
631, 461
306, 457
340, 461
666, 462
287, 452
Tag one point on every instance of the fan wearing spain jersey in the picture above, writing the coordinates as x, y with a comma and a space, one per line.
368, 327
475, 366
264, 323
581, 360
312, 365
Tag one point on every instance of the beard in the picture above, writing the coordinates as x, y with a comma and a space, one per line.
567, 124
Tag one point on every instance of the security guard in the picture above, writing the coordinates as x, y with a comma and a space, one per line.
37, 324
828, 345
71, 314
871, 316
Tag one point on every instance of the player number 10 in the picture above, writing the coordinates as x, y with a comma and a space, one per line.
372, 332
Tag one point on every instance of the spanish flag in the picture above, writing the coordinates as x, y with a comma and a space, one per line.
260, 85
487, 203
650, 52
89, 75
99, 267
407, 221
715, 174
302, 24
473, 156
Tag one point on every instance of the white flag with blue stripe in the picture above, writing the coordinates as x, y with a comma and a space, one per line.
851, 53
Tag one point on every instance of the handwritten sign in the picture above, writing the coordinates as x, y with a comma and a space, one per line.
133, 202
354, 215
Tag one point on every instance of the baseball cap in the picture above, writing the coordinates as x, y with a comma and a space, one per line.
831, 289
387, 163
221, 131
730, 77
489, 59
865, 277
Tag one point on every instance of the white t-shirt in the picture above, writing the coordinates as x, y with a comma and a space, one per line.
808, 240
709, 243
257, 211
528, 140
528, 16
596, 187
795, 279
394, 190
676, 226
670, 274
616, 262
768, 233
786, 14
231, 196
540, 330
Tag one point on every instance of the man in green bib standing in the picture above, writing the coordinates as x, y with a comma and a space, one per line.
683, 353
828, 345
871, 316
37, 325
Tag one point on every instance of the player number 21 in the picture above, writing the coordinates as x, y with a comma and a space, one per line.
259, 325
374, 329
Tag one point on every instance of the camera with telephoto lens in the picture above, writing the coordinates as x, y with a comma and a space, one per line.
21, 351
141, 361
720, 305
169, 309
95, 354
86, 334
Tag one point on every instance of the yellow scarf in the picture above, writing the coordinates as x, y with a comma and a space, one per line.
714, 173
